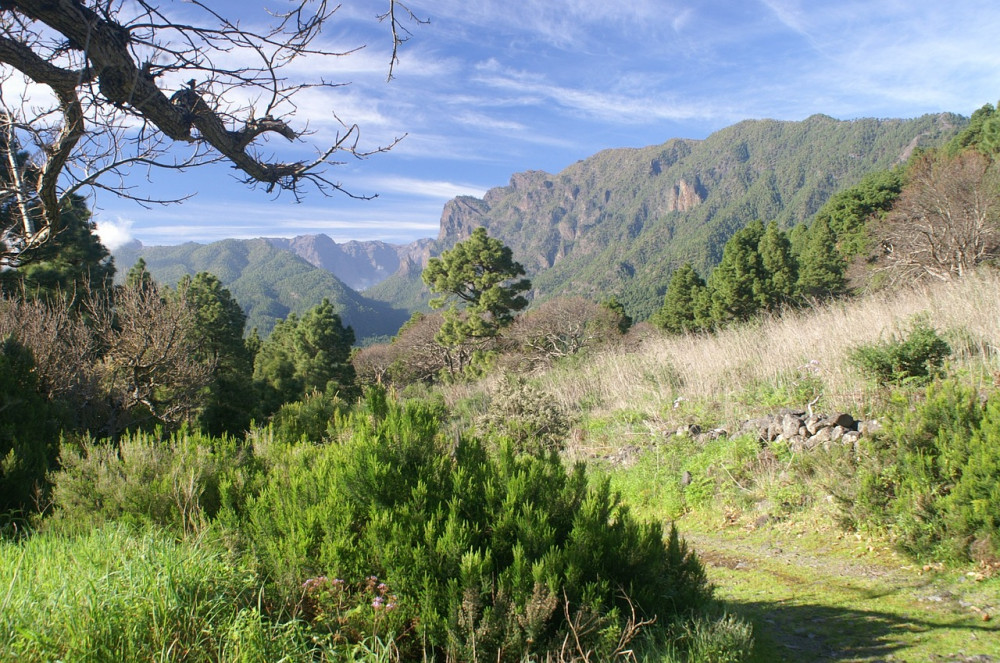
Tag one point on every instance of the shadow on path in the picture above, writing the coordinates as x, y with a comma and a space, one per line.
810, 632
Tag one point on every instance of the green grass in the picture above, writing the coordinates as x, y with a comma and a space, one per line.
114, 595
814, 593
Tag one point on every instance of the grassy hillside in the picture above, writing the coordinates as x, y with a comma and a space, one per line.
268, 282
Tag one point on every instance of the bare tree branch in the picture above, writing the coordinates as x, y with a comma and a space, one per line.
947, 219
112, 72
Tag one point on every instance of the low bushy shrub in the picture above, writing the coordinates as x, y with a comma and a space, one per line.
933, 479
526, 416
481, 552
307, 420
179, 483
917, 357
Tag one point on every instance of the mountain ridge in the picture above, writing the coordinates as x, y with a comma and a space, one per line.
621, 220
616, 223
269, 282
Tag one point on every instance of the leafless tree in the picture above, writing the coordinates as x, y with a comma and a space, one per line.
63, 347
947, 219
562, 327
413, 356
148, 368
373, 364
94, 88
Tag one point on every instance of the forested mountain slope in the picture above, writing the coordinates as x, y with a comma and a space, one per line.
269, 282
620, 221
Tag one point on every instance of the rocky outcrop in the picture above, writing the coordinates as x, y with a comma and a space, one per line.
803, 431
686, 196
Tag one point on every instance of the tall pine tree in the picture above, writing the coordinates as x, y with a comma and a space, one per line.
780, 266
739, 284
679, 312
821, 268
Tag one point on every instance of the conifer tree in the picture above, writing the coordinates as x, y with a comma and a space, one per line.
482, 274
679, 312
139, 277
779, 264
821, 268
306, 354
739, 284
218, 335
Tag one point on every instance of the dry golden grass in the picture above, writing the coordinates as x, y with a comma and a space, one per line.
801, 354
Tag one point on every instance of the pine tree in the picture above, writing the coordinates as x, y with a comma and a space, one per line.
306, 354
138, 276
679, 311
739, 284
782, 270
218, 334
482, 274
821, 268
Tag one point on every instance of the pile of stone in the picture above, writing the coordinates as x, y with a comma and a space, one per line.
802, 430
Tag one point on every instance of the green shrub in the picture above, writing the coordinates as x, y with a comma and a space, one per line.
526, 416
483, 552
916, 358
306, 420
933, 479
29, 432
179, 483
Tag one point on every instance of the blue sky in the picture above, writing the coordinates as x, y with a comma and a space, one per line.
490, 88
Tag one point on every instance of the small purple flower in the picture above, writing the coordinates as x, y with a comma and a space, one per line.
378, 603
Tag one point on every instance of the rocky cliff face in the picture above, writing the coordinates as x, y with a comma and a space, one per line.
620, 221
358, 264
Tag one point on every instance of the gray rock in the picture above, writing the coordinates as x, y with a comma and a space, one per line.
869, 427
790, 425
821, 435
814, 423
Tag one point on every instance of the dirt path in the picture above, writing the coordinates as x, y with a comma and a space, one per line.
815, 597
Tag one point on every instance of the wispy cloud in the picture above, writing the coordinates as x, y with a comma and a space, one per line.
426, 188
612, 106
790, 13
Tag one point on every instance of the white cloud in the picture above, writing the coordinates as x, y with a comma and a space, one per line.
611, 106
115, 233
426, 188
485, 122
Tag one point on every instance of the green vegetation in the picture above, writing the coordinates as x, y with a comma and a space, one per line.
932, 480
305, 355
619, 223
918, 357
480, 273
180, 490
269, 283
